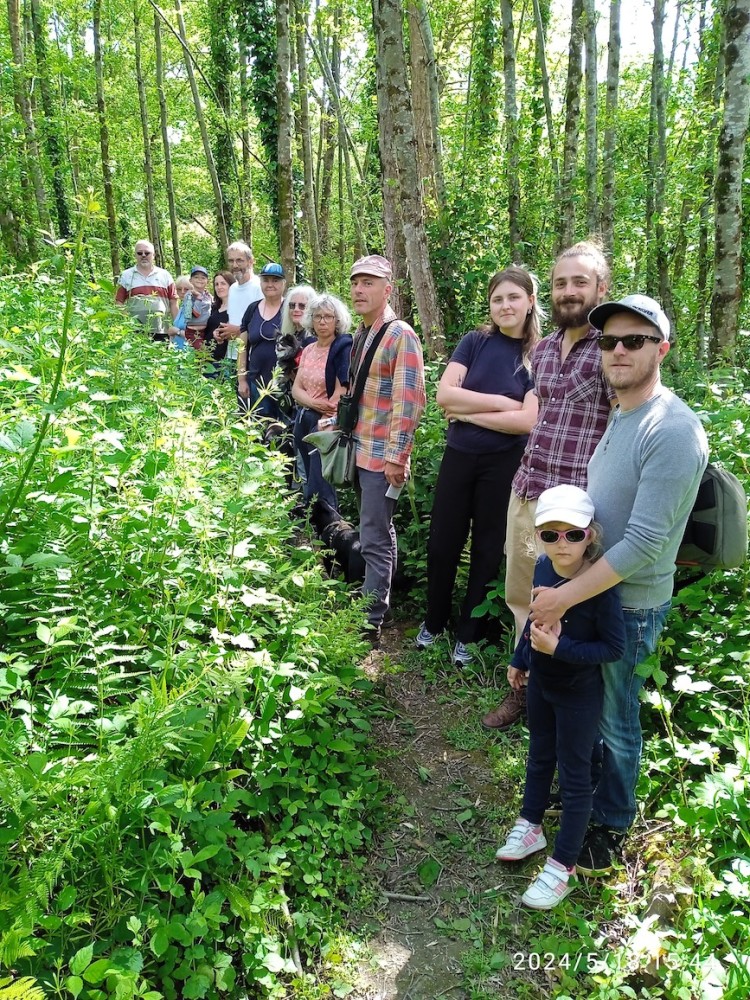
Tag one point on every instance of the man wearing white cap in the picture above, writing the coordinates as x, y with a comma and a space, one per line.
643, 479
389, 410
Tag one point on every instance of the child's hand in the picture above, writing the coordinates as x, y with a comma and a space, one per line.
517, 678
544, 638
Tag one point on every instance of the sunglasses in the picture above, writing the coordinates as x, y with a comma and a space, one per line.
297, 305
143, 253
631, 342
550, 536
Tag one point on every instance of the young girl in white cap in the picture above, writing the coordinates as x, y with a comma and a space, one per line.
562, 670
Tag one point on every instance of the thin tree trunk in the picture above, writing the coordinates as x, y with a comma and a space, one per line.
201, 119
284, 107
541, 58
660, 163
308, 193
610, 129
592, 110
23, 103
247, 191
512, 158
425, 103
389, 40
727, 294
50, 126
329, 140
148, 169
572, 118
220, 73
109, 195
164, 122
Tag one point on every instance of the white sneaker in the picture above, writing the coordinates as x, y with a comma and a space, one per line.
424, 638
551, 885
461, 656
522, 841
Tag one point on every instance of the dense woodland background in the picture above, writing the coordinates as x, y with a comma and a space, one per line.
455, 137
189, 799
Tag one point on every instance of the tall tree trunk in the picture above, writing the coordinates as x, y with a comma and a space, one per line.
567, 212
541, 58
50, 125
247, 188
164, 122
592, 110
727, 294
308, 191
23, 103
328, 138
201, 119
512, 158
284, 157
389, 40
660, 163
148, 168
221, 69
101, 111
610, 129
426, 103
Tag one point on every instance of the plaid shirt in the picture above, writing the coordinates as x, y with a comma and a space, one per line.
393, 396
574, 406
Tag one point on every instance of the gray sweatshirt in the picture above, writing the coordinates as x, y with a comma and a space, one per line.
643, 479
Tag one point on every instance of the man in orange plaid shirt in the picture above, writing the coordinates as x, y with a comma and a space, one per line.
389, 411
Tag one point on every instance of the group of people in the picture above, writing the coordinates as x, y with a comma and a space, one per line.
565, 455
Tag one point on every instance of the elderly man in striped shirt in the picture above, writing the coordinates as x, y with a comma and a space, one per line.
389, 410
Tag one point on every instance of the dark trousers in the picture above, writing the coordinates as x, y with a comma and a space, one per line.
315, 485
472, 493
563, 722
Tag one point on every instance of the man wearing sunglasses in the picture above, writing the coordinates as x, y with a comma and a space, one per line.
643, 479
148, 292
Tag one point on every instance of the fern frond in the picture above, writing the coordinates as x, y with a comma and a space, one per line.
21, 989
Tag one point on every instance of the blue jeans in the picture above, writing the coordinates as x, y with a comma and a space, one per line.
563, 719
377, 538
620, 726
315, 485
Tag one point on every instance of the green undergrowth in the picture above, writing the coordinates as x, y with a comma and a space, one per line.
186, 787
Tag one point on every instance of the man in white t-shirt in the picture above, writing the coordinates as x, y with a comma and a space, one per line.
244, 291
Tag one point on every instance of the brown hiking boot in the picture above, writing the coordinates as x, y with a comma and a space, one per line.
508, 711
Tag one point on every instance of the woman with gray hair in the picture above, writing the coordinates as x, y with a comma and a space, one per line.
293, 312
322, 377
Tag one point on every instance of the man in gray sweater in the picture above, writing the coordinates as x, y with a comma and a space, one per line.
643, 479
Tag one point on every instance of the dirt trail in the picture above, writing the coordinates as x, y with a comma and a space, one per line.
440, 848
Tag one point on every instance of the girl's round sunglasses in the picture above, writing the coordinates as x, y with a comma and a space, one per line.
549, 535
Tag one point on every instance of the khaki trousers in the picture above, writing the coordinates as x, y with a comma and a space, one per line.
520, 557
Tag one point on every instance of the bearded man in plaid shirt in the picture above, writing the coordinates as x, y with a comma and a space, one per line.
389, 410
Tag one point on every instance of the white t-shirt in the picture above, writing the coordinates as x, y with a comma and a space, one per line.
239, 298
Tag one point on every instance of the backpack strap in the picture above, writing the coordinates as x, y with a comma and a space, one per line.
357, 379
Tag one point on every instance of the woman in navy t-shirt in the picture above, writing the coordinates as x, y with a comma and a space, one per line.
488, 397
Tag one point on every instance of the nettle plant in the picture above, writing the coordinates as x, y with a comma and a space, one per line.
185, 786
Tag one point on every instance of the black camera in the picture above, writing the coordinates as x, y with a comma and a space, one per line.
346, 414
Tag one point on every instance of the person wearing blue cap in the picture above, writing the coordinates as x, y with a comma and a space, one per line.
260, 328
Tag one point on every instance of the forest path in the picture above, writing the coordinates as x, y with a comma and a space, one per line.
449, 802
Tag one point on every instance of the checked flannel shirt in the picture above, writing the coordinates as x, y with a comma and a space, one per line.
394, 396
574, 407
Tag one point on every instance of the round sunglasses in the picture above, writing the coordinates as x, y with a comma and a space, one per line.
631, 342
549, 535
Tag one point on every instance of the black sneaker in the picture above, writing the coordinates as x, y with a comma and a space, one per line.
601, 851
388, 620
371, 633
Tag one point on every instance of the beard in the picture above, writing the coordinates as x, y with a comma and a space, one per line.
572, 314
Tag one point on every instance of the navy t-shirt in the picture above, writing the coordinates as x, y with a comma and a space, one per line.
261, 339
494, 365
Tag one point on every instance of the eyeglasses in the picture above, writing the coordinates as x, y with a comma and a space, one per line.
143, 253
324, 318
297, 305
550, 536
631, 342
